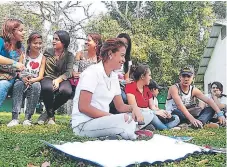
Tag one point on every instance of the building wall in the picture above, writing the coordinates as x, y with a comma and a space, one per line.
217, 67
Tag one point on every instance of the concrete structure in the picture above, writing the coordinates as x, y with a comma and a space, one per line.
213, 65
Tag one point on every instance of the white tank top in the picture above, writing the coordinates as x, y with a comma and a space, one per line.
32, 66
186, 98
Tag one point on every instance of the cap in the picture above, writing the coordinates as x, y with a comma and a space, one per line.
189, 70
154, 85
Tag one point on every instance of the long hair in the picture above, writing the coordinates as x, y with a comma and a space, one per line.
64, 37
32, 37
97, 38
219, 86
8, 29
128, 50
113, 45
137, 71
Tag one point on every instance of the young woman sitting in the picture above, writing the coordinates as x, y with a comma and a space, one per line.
98, 86
29, 83
139, 94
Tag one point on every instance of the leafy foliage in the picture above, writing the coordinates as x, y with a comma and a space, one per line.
165, 34
32, 22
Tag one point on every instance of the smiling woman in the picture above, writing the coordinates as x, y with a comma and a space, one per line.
98, 86
29, 83
10, 52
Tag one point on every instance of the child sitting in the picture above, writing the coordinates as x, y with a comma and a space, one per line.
154, 87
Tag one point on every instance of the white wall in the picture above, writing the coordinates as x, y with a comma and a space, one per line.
217, 67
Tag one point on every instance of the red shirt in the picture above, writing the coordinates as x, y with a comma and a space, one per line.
142, 99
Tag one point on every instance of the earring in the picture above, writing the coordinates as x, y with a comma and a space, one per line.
110, 57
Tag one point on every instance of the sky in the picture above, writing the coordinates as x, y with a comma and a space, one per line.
96, 8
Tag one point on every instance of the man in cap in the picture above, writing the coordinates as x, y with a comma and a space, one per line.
181, 97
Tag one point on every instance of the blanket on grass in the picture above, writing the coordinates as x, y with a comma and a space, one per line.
113, 153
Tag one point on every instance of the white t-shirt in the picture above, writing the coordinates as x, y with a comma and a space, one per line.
102, 87
222, 100
155, 101
32, 66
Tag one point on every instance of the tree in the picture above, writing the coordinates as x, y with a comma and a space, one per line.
166, 35
58, 15
32, 22
219, 8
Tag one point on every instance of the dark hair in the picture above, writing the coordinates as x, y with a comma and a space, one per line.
97, 38
31, 37
64, 37
113, 45
128, 50
8, 29
138, 71
219, 86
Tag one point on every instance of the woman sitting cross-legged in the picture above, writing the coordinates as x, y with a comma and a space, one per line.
139, 94
98, 86
56, 88
29, 83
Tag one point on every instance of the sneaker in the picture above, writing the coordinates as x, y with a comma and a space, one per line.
42, 118
150, 127
211, 125
176, 128
14, 122
144, 133
51, 122
27, 123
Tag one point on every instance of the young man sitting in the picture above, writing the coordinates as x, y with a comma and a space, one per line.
180, 97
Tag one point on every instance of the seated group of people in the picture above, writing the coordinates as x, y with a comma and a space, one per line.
99, 77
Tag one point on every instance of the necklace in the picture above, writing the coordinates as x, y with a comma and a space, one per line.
107, 85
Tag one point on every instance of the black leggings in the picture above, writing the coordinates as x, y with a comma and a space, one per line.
54, 99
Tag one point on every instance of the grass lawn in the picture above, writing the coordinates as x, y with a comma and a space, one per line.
20, 145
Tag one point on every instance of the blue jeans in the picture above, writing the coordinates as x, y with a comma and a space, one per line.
161, 126
5, 85
206, 115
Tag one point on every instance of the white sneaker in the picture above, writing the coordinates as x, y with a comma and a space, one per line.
176, 128
27, 123
51, 122
14, 122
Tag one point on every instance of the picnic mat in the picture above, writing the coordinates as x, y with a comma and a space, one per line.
113, 153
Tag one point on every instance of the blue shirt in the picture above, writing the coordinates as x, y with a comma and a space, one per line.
11, 54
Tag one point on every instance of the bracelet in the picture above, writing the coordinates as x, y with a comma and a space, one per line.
14, 63
220, 114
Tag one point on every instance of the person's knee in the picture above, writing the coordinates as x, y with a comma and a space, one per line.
5, 85
127, 118
36, 86
210, 110
176, 119
47, 88
66, 91
18, 84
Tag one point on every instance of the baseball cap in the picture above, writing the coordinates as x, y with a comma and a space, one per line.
189, 70
154, 85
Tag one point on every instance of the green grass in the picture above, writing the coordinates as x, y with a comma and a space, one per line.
20, 145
